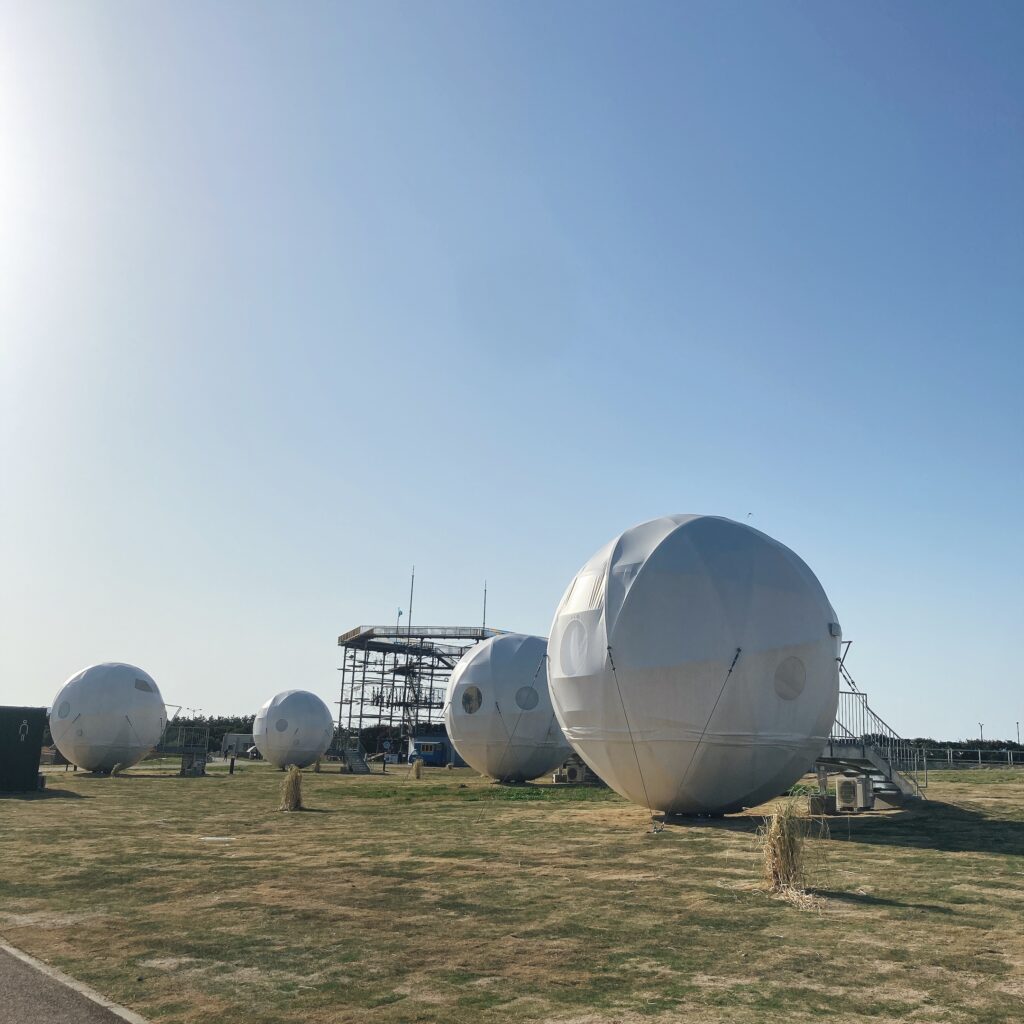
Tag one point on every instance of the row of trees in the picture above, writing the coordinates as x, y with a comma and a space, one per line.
373, 737
926, 741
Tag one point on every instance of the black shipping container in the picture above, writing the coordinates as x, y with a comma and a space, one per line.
21, 743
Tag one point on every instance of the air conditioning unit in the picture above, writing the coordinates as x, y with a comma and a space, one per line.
846, 794
865, 793
575, 773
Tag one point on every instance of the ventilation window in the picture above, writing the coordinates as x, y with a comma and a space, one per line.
141, 684
472, 698
64, 710
526, 698
282, 724
586, 594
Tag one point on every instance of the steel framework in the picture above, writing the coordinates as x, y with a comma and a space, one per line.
395, 677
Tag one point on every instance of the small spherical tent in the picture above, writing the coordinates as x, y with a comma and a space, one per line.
693, 665
293, 727
498, 711
107, 715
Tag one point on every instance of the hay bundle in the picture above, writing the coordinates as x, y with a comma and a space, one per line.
417, 768
782, 838
784, 856
291, 791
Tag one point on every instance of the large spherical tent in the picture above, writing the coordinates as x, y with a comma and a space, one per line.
693, 665
107, 715
293, 727
498, 712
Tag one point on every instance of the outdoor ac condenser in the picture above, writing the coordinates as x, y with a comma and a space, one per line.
846, 794
865, 793
575, 773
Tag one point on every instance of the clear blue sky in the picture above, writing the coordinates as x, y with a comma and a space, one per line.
293, 296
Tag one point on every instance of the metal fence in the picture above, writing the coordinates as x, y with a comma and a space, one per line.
953, 757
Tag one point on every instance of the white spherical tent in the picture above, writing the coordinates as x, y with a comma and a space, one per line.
693, 665
293, 727
107, 715
498, 711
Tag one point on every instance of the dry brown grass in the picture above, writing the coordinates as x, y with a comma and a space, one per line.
455, 901
291, 790
784, 841
782, 838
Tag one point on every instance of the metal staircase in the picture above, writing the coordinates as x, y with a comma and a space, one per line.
862, 742
351, 751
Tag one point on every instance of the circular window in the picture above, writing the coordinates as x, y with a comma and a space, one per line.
526, 698
282, 724
573, 649
472, 698
64, 710
790, 679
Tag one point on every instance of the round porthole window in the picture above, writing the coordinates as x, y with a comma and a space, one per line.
472, 698
790, 679
64, 710
574, 648
526, 698
282, 724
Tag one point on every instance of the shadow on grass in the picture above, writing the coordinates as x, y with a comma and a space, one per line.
930, 825
867, 900
46, 794
733, 823
934, 826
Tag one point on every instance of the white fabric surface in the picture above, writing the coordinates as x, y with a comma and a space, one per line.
498, 711
669, 602
107, 715
293, 727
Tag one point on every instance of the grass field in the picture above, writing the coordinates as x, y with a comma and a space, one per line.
454, 900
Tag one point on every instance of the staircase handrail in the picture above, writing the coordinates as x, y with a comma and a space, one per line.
858, 722
349, 742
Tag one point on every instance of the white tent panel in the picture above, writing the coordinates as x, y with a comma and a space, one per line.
693, 665
498, 710
107, 715
293, 727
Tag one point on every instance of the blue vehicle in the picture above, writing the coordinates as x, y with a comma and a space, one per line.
436, 751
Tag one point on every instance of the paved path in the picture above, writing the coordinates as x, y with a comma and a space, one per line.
31, 993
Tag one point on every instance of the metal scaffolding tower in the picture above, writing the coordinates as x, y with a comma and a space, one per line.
394, 677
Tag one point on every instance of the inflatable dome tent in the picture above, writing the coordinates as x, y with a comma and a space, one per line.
498, 711
293, 727
693, 665
107, 715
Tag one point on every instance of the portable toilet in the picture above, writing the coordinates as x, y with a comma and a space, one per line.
21, 744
